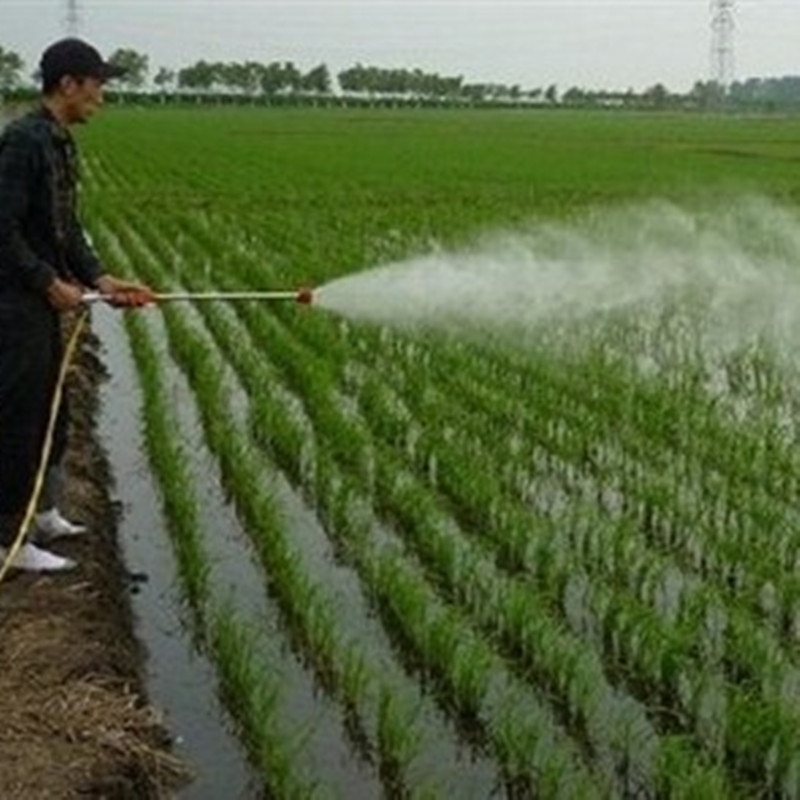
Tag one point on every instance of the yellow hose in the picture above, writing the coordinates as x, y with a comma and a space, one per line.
48, 444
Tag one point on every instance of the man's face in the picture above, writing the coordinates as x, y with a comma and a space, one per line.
83, 96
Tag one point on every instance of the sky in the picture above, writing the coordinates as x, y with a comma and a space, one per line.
591, 44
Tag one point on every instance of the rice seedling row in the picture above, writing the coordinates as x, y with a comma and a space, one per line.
252, 696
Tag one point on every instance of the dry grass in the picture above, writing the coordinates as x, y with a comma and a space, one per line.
73, 719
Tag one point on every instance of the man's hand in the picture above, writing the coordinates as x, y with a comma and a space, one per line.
122, 293
64, 296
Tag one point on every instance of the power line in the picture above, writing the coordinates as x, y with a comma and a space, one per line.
72, 19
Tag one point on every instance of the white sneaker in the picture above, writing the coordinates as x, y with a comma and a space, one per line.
50, 525
33, 559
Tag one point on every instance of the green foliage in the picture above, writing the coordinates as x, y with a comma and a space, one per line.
11, 65
136, 66
169, 464
590, 565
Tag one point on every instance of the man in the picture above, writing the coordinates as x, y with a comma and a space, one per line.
45, 265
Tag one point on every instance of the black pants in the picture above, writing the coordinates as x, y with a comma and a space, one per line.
31, 350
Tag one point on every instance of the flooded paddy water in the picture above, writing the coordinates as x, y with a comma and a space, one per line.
181, 679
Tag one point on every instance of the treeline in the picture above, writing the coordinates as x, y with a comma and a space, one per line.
249, 78
754, 94
773, 94
253, 79
284, 83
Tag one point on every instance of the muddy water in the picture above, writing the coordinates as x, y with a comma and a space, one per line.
179, 680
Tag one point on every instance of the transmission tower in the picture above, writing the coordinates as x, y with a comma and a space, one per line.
722, 42
72, 20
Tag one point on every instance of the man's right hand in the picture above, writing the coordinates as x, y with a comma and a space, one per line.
64, 296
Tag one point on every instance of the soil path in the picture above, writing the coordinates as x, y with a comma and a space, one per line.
73, 718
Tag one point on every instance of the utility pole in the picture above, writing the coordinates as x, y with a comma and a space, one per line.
722, 27
72, 20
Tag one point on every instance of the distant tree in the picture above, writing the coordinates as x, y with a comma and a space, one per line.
401, 81
136, 66
452, 86
201, 75
271, 79
353, 79
551, 94
317, 80
574, 96
250, 77
749, 93
373, 80
416, 82
243, 78
494, 91
430, 84
474, 91
292, 78
164, 78
707, 94
11, 65
222, 74
231, 76
347, 80
657, 96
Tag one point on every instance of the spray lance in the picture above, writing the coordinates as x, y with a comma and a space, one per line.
303, 295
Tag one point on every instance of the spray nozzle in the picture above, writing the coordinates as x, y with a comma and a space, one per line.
305, 296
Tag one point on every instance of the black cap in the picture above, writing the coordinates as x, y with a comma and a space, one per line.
76, 58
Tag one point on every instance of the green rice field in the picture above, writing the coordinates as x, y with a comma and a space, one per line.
542, 422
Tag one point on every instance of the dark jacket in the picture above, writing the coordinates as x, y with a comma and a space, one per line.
40, 236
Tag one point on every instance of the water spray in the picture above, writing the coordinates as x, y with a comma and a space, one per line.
304, 296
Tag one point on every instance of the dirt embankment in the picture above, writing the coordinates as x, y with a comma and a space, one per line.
73, 718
